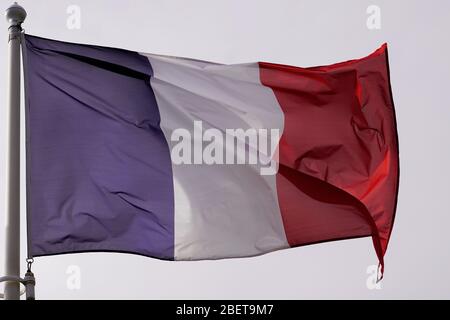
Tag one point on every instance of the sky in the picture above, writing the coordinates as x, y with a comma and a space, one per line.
301, 33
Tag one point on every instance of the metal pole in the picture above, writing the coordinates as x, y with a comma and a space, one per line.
15, 15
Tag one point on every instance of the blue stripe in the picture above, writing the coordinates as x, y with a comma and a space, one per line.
100, 172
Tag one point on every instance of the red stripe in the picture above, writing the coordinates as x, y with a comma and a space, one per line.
338, 173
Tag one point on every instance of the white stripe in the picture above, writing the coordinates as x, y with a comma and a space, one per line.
221, 211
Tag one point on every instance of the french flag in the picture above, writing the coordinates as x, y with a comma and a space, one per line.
182, 159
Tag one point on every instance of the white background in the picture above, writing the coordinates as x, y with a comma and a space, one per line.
303, 33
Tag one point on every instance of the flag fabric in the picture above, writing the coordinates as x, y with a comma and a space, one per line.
182, 159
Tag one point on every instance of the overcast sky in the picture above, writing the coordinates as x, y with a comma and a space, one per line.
303, 33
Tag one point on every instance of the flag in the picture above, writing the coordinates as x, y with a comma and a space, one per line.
182, 159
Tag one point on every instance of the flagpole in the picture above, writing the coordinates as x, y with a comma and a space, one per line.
15, 15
